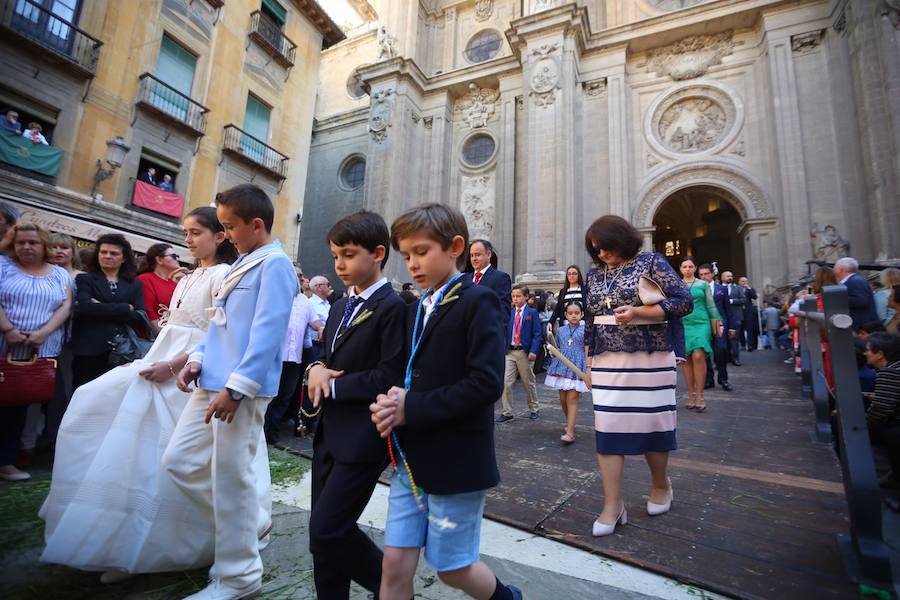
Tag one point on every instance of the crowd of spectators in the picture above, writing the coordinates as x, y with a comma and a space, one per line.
10, 124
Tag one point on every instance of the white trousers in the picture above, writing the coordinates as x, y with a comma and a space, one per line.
211, 464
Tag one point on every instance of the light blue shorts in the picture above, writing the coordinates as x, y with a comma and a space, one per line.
451, 535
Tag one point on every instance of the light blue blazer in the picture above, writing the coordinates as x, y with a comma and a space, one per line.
245, 354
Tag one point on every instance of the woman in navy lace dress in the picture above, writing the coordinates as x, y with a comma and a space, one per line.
631, 352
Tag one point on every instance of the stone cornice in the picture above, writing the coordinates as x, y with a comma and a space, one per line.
569, 18
331, 33
345, 119
407, 70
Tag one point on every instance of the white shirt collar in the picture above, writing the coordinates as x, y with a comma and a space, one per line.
484, 270
367, 293
846, 277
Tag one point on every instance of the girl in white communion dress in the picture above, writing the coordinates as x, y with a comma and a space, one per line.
111, 506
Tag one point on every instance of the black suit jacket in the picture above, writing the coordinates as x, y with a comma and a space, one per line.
501, 283
861, 300
371, 354
736, 301
98, 322
457, 376
720, 297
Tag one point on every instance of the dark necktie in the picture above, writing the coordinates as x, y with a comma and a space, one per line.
351, 305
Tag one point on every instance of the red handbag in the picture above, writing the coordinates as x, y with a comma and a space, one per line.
24, 382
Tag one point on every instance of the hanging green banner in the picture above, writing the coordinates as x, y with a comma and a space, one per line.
23, 153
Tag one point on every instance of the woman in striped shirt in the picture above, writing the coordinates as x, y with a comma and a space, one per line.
572, 291
883, 413
35, 300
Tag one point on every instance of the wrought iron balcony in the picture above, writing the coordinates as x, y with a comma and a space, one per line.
254, 151
268, 35
51, 34
171, 105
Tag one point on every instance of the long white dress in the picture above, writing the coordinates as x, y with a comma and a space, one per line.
111, 504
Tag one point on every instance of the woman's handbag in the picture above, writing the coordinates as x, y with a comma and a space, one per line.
24, 382
129, 346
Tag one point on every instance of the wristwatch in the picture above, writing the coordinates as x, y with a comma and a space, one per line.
235, 395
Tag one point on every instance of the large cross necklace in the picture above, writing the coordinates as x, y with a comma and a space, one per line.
607, 286
191, 280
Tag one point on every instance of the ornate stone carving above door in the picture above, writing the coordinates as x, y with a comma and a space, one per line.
484, 9
691, 57
477, 106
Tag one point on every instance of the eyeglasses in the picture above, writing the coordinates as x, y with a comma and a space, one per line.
172, 255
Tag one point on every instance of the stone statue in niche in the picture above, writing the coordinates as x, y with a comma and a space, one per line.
478, 205
828, 245
478, 105
692, 125
387, 45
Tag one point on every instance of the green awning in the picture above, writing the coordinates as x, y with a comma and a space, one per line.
25, 154
279, 11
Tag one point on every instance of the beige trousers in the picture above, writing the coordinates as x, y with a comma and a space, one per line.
211, 464
517, 363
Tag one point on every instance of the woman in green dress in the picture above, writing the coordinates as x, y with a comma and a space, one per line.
698, 328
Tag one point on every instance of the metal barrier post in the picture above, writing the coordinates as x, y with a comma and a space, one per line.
815, 383
866, 556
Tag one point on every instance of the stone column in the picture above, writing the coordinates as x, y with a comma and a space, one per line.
760, 244
549, 71
504, 229
450, 34
441, 144
617, 94
789, 144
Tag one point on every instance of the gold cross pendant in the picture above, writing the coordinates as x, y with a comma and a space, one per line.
608, 303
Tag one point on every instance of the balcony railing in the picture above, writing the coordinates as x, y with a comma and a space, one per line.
171, 104
243, 145
38, 26
267, 33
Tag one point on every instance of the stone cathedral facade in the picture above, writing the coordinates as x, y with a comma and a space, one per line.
757, 133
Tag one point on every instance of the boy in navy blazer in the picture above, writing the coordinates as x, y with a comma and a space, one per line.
523, 337
362, 357
236, 368
439, 424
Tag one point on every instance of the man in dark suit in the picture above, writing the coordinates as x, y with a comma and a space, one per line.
148, 176
750, 328
859, 293
720, 342
480, 254
362, 357
737, 299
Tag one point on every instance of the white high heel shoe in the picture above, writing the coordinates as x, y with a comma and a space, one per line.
654, 509
601, 529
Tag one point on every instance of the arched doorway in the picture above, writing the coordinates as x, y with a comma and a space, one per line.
701, 221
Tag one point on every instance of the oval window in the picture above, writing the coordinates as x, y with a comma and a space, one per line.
483, 46
353, 173
478, 150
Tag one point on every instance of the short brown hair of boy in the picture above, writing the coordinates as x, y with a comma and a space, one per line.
439, 222
248, 202
522, 288
362, 228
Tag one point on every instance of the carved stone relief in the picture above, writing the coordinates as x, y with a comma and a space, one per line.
544, 78
806, 42
693, 119
477, 205
595, 88
739, 149
477, 106
827, 243
652, 161
428, 122
540, 5
380, 114
387, 45
692, 56
484, 9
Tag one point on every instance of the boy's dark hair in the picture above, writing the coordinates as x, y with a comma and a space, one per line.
248, 202
872, 327
439, 222
363, 228
522, 288
888, 343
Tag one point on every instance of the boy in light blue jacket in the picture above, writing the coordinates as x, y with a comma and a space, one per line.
236, 370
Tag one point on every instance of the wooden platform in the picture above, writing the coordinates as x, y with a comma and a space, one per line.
757, 503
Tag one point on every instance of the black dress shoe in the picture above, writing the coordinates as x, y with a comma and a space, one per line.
736, 363
726, 386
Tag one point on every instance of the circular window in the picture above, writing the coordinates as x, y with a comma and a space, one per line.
484, 46
355, 85
353, 173
478, 150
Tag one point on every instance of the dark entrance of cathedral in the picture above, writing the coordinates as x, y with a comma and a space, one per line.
702, 222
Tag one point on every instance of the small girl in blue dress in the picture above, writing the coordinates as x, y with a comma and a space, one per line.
561, 377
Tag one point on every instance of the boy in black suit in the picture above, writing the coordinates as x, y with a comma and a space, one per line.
362, 357
442, 418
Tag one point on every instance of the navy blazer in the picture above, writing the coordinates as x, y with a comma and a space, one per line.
532, 333
97, 323
498, 281
371, 356
861, 300
720, 297
457, 376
